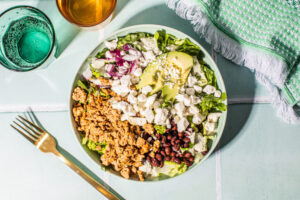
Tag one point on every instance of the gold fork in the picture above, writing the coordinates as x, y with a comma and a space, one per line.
47, 144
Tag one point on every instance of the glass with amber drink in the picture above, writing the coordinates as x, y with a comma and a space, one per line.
93, 14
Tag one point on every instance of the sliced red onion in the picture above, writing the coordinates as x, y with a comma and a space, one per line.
116, 53
126, 47
108, 55
120, 63
132, 66
87, 74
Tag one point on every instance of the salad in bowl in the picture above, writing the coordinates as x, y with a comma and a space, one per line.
148, 105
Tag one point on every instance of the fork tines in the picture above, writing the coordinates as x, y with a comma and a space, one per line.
32, 132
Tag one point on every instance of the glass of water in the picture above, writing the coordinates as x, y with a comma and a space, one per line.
27, 39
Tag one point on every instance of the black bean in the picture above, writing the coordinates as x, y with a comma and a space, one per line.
180, 134
173, 154
163, 139
162, 152
186, 140
166, 145
155, 162
174, 128
158, 157
177, 142
168, 150
169, 137
187, 154
167, 158
149, 159
161, 164
177, 160
185, 145
191, 159
188, 163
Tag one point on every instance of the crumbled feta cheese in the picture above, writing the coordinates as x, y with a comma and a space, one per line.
210, 127
213, 117
149, 56
121, 90
182, 124
134, 52
137, 121
195, 100
179, 97
198, 118
122, 105
190, 91
176, 119
168, 123
142, 98
131, 99
149, 43
138, 72
192, 136
160, 116
129, 57
150, 100
193, 110
218, 94
148, 114
156, 105
133, 93
135, 80
191, 81
126, 80
130, 111
187, 100
112, 45
146, 90
172, 47
198, 88
209, 89
173, 111
98, 63
179, 107
200, 145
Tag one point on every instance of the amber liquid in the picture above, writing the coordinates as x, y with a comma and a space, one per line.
86, 12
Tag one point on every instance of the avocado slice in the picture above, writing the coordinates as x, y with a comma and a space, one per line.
156, 73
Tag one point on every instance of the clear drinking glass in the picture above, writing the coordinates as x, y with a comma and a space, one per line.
87, 14
27, 39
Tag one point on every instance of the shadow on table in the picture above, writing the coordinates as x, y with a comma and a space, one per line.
239, 81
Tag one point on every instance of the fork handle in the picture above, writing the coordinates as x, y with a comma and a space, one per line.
108, 194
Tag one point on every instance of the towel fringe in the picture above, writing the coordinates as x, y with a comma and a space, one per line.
270, 70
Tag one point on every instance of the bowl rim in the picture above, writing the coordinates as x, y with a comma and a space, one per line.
220, 82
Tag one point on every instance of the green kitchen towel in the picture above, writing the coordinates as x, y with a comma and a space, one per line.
263, 35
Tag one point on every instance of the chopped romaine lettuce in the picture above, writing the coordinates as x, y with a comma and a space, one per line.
211, 103
209, 74
172, 169
160, 129
193, 125
132, 38
101, 54
164, 40
95, 73
188, 148
83, 85
92, 145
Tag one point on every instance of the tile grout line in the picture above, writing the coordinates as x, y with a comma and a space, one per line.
218, 154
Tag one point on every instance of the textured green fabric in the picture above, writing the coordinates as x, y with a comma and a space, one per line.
271, 25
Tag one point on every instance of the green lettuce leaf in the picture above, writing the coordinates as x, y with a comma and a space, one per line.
188, 148
172, 169
83, 84
95, 73
131, 38
92, 145
160, 129
101, 54
209, 74
193, 125
164, 40
211, 103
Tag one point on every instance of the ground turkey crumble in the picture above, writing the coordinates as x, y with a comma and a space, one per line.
125, 148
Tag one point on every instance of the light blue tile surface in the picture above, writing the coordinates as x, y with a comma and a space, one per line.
258, 157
